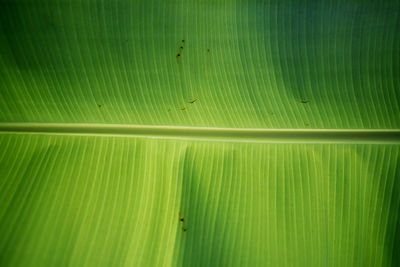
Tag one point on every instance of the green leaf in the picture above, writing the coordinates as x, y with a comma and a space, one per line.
270, 64
272, 139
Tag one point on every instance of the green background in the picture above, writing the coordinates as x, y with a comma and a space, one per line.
102, 200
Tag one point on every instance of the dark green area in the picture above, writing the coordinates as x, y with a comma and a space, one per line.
271, 64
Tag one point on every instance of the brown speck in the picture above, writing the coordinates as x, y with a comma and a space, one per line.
181, 47
184, 108
191, 102
178, 55
183, 41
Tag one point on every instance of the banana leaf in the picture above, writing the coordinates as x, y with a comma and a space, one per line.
199, 133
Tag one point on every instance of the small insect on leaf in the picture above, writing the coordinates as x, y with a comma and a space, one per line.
304, 101
192, 102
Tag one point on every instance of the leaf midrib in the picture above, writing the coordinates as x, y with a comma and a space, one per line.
334, 136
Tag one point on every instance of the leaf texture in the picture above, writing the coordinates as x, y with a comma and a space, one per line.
75, 193
250, 64
114, 201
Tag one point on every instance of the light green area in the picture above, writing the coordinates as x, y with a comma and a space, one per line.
60, 59
108, 201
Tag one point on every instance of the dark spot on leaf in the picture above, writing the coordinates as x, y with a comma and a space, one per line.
191, 102
178, 55
184, 108
181, 47
183, 41
99, 105
304, 101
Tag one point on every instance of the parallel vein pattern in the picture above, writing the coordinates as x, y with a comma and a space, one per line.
249, 64
108, 201
103, 200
